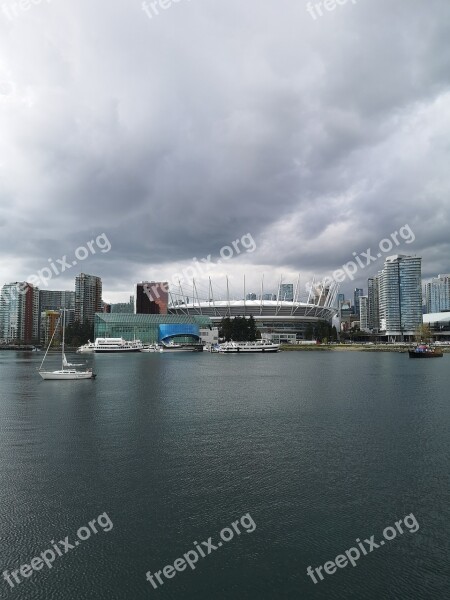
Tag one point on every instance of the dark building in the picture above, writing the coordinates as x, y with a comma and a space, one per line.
356, 296
123, 307
55, 300
88, 297
151, 298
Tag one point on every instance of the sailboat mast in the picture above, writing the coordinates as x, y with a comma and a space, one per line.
50, 343
63, 338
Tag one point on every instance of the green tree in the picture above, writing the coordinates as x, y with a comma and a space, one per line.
309, 332
79, 333
252, 329
225, 329
423, 333
239, 329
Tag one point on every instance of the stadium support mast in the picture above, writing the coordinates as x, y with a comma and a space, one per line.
278, 296
262, 294
295, 299
195, 291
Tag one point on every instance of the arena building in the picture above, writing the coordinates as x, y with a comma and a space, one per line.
283, 321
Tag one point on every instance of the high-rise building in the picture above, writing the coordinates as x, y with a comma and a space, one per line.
19, 313
356, 296
151, 298
373, 304
401, 295
49, 322
286, 292
340, 299
55, 300
123, 307
364, 313
88, 297
250, 297
437, 294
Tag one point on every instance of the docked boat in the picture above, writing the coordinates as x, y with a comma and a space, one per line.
212, 348
151, 348
86, 348
110, 345
173, 347
66, 372
247, 347
425, 351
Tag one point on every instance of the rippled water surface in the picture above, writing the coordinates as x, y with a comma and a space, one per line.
319, 448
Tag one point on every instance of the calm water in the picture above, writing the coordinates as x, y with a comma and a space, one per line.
320, 449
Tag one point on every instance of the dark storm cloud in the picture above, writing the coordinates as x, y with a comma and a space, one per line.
178, 134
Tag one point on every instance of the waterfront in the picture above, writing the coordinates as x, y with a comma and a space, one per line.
320, 449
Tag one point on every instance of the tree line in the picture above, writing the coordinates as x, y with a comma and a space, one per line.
239, 329
78, 333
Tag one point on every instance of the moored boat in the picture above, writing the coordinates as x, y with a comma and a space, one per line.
173, 347
86, 348
65, 373
151, 348
425, 351
248, 347
110, 345
68, 374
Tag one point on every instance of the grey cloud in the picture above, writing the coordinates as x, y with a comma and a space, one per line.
179, 134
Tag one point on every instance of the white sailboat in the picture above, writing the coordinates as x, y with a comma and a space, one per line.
65, 372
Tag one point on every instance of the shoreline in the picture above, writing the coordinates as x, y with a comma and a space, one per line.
351, 348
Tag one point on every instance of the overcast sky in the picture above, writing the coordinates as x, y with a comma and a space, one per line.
176, 133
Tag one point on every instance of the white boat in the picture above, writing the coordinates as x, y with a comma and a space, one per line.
86, 348
173, 347
212, 348
68, 374
64, 372
109, 345
248, 347
151, 348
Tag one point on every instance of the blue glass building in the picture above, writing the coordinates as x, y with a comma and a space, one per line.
150, 329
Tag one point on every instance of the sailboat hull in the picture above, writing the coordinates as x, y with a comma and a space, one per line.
66, 374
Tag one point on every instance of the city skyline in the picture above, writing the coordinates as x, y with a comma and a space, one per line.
347, 288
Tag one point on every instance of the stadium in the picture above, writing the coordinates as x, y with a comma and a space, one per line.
280, 319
